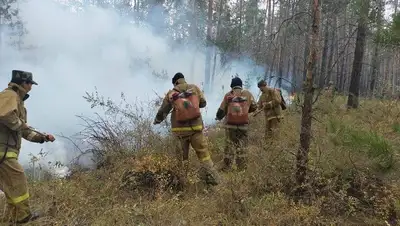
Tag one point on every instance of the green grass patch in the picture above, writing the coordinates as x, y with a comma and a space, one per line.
375, 146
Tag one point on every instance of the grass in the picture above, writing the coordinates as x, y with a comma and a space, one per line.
352, 178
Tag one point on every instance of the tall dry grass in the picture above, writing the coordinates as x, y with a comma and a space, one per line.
352, 177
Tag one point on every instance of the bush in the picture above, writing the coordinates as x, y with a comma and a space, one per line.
123, 128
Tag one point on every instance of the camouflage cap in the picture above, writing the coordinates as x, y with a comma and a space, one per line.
18, 75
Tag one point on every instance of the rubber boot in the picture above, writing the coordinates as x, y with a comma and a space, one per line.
208, 174
31, 217
227, 165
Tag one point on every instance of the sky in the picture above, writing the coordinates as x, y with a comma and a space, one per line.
77, 52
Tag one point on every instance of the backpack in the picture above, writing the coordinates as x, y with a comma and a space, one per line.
186, 105
283, 102
238, 110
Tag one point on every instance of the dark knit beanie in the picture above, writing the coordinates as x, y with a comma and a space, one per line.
176, 77
236, 81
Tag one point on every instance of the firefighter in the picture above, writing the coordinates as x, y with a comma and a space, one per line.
271, 102
185, 101
235, 108
13, 127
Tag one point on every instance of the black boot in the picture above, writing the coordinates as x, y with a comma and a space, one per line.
227, 165
209, 175
33, 216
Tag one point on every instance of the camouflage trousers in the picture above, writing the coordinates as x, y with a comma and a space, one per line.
270, 128
13, 183
199, 143
235, 148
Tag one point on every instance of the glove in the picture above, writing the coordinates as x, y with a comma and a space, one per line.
49, 137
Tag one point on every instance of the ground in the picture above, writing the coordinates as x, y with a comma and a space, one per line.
353, 178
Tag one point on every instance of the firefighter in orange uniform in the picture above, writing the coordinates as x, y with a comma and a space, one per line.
271, 102
235, 107
13, 127
185, 101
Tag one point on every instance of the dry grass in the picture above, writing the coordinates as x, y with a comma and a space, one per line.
353, 178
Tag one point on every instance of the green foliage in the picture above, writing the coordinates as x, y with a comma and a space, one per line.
375, 147
396, 127
361, 8
391, 34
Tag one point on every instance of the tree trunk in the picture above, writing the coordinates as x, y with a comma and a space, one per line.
271, 58
194, 36
331, 51
281, 63
354, 89
322, 76
271, 69
375, 69
283, 13
375, 57
219, 24
239, 39
207, 74
306, 117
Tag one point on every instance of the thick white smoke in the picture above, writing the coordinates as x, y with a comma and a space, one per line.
76, 51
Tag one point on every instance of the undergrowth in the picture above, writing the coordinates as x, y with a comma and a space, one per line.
352, 179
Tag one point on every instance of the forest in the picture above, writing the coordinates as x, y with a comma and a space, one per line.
334, 162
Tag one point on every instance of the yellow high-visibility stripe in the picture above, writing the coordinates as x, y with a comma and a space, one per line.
20, 198
9, 155
206, 158
182, 129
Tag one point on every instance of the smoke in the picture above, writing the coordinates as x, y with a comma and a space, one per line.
76, 51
